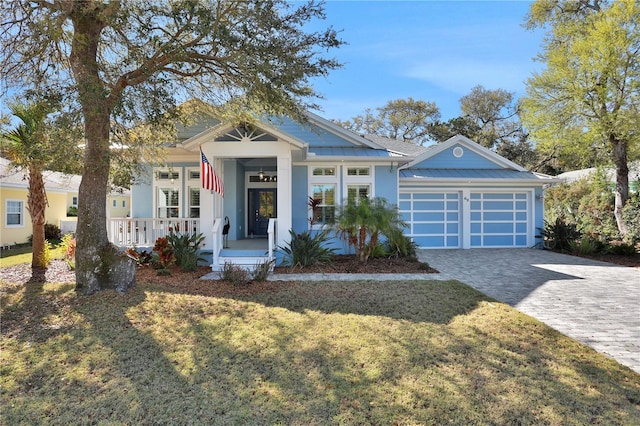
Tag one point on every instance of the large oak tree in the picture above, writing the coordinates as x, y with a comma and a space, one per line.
135, 60
585, 103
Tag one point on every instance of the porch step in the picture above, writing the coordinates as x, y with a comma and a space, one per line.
247, 262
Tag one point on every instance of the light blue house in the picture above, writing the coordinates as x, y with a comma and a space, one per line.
456, 194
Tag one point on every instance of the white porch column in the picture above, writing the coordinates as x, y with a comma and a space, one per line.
284, 197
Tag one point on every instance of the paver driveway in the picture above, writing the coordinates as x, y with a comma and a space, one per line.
596, 303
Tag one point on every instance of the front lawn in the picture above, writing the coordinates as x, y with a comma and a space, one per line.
379, 353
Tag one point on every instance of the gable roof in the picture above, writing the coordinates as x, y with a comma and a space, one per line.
345, 143
472, 146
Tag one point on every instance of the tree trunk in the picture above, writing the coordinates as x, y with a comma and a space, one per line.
36, 205
96, 259
622, 181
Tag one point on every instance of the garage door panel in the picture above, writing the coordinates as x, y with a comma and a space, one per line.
433, 218
498, 219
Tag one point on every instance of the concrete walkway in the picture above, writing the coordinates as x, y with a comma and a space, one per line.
593, 302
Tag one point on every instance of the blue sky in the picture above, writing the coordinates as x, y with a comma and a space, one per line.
434, 51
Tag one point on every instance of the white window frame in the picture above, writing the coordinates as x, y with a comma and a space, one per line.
315, 180
359, 180
193, 184
21, 213
172, 182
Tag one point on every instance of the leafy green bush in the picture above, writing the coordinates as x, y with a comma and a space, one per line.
631, 217
622, 249
68, 245
185, 249
586, 245
307, 249
52, 232
398, 244
588, 203
234, 274
558, 235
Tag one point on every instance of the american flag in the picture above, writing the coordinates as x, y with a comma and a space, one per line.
209, 177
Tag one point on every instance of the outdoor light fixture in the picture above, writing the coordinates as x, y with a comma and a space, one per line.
261, 174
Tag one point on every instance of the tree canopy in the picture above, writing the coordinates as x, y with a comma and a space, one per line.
584, 106
134, 62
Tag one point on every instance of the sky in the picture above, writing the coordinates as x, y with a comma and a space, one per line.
434, 51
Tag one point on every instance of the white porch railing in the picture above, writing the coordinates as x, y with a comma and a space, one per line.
143, 232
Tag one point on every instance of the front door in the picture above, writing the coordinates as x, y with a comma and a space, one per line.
262, 207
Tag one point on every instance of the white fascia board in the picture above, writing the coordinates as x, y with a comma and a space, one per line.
220, 129
467, 181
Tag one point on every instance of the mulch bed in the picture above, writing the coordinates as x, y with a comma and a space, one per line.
348, 264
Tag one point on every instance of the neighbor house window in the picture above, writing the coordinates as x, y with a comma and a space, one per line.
124, 204
74, 202
14, 213
115, 203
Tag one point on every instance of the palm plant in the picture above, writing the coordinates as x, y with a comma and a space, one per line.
361, 222
25, 145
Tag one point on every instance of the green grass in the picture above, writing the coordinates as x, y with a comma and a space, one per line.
379, 353
23, 254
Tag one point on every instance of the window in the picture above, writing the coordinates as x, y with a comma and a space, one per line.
115, 203
357, 192
168, 175
358, 171
194, 202
124, 204
74, 202
194, 174
326, 209
14, 213
168, 202
324, 171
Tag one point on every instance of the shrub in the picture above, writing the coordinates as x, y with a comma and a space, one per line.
399, 245
234, 274
185, 249
622, 249
586, 245
68, 245
307, 249
44, 258
52, 232
588, 203
631, 217
165, 255
261, 270
557, 235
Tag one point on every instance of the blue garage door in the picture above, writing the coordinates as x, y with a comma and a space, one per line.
433, 218
499, 219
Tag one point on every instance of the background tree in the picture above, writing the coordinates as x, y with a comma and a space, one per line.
407, 120
138, 60
34, 146
584, 105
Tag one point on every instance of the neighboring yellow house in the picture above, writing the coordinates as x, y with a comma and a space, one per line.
119, 203
15, 222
